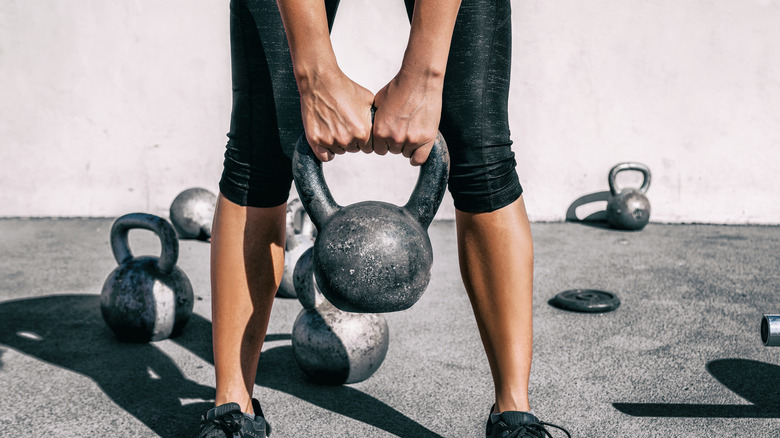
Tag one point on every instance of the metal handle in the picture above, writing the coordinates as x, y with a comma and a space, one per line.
319, 202
629, 166
164, 230
431, 184
311, 185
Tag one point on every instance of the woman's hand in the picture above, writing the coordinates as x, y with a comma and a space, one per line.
336, 113
409, 107
408, 111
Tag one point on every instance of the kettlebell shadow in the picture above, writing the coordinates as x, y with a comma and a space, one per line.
69, 332
597, 216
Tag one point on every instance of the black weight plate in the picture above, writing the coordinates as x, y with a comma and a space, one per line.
586, 300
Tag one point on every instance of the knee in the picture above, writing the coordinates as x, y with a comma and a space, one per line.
485, 179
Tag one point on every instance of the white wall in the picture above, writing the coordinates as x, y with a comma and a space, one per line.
111, 107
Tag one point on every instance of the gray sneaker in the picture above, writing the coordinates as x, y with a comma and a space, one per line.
228, 421
511, 424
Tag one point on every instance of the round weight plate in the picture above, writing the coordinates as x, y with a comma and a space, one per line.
586, 300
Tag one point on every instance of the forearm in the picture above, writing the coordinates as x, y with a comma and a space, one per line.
306, 25
336, 112
429, 40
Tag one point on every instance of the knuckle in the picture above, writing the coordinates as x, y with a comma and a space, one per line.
315, 139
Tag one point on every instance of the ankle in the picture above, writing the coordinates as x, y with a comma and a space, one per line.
243, 400
511, 404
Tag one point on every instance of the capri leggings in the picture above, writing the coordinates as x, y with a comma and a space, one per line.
266, 115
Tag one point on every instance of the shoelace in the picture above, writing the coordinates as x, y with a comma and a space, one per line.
230, 423
537, 429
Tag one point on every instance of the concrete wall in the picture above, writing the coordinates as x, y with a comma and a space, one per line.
111, 107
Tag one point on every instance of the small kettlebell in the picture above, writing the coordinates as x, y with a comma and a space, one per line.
372, 256
331, 346
628, 209
192, 213
300, 237
145, 298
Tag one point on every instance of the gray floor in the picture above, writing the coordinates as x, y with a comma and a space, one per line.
681, 357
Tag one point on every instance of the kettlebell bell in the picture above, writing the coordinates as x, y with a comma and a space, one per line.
192, 213
145, 298
372, 256
628, 209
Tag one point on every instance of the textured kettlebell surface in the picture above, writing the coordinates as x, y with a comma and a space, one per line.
141, 304
373, 257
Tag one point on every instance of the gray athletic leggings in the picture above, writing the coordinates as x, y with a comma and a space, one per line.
266, 116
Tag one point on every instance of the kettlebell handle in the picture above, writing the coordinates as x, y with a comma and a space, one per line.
629, 166
319, 203
431, 184
161, 227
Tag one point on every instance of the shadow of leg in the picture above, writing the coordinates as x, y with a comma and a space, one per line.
755, 381
279, 371
68, 331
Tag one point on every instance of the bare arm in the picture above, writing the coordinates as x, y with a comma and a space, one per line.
409, 107
336, 111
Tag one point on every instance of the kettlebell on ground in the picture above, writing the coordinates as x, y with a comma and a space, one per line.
331, 346
372, 256
145, 298
628, 209
299, 237
192, 213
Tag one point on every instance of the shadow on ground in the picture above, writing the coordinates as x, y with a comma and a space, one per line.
598, 218
756, 382
68, 331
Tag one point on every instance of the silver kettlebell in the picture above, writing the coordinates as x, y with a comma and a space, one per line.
192, 213
300, 236
628, 209
331, 346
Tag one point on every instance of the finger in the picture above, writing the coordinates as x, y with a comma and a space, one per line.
409, 149
323, 154
395, 148
337, 149
354, 147
368, 146
421, 154
380, 147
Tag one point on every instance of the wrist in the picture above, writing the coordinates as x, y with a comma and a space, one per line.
431, 76
310, 70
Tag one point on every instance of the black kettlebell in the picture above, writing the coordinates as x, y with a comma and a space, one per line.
145, 298
372, 256
628, 209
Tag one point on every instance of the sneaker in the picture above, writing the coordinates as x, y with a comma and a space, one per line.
512, 424
228, 421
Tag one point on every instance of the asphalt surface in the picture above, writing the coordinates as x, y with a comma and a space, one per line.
681, 356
